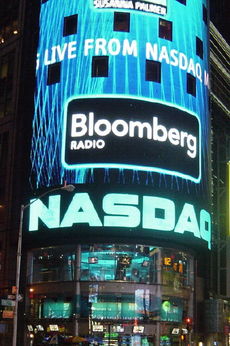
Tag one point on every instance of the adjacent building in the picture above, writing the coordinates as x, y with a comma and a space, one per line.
217, 307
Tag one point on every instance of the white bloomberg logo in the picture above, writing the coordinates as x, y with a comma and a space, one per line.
84, 127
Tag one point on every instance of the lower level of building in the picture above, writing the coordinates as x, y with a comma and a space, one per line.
113, 294
110, 294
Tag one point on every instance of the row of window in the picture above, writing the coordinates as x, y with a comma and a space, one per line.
4, 146
127, 263
100, 68
139, 305
122, 23
9, 22
6, 84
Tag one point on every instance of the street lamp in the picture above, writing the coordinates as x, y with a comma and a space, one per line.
66, 187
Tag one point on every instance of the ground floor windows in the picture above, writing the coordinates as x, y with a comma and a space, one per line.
112, 262
112, 294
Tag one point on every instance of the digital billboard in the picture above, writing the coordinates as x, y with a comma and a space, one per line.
152, 6
90, 61
122, 97
157, 131
147, 216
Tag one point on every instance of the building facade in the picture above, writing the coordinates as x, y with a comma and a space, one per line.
217, 328
17, 64
121, 113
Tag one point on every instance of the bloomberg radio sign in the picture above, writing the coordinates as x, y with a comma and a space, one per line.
131, 133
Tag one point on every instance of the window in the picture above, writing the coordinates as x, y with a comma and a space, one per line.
56, 308
70, 25
100, 66
123, 263
3, 150
54, 72
205, 14
165, 29
153, 71
182, 1
4, 143
121, 21
52, 264
51, 306
9, 21
199, 47
6, 84
172, 309
176, 269
191, 84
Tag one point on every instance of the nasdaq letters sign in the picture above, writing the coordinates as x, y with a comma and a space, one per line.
123, 211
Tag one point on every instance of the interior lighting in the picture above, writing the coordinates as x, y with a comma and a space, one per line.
188, 320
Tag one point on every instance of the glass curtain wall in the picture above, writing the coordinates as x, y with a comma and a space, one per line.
118, 285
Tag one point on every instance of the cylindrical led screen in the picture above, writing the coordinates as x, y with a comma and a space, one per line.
123, 86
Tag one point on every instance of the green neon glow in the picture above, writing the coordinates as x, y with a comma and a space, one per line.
165, 223
117, 205
50, 216
205, 226
170, 312
188, 221
128, 166
81, 210
123, 210
166, 305
111, 310
59, 309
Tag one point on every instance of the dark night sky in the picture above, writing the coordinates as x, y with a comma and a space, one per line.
220, 16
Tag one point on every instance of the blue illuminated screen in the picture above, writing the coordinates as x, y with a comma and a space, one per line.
101, 55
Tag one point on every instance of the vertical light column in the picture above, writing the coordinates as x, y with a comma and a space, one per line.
228, 199
77, 288
228, 232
